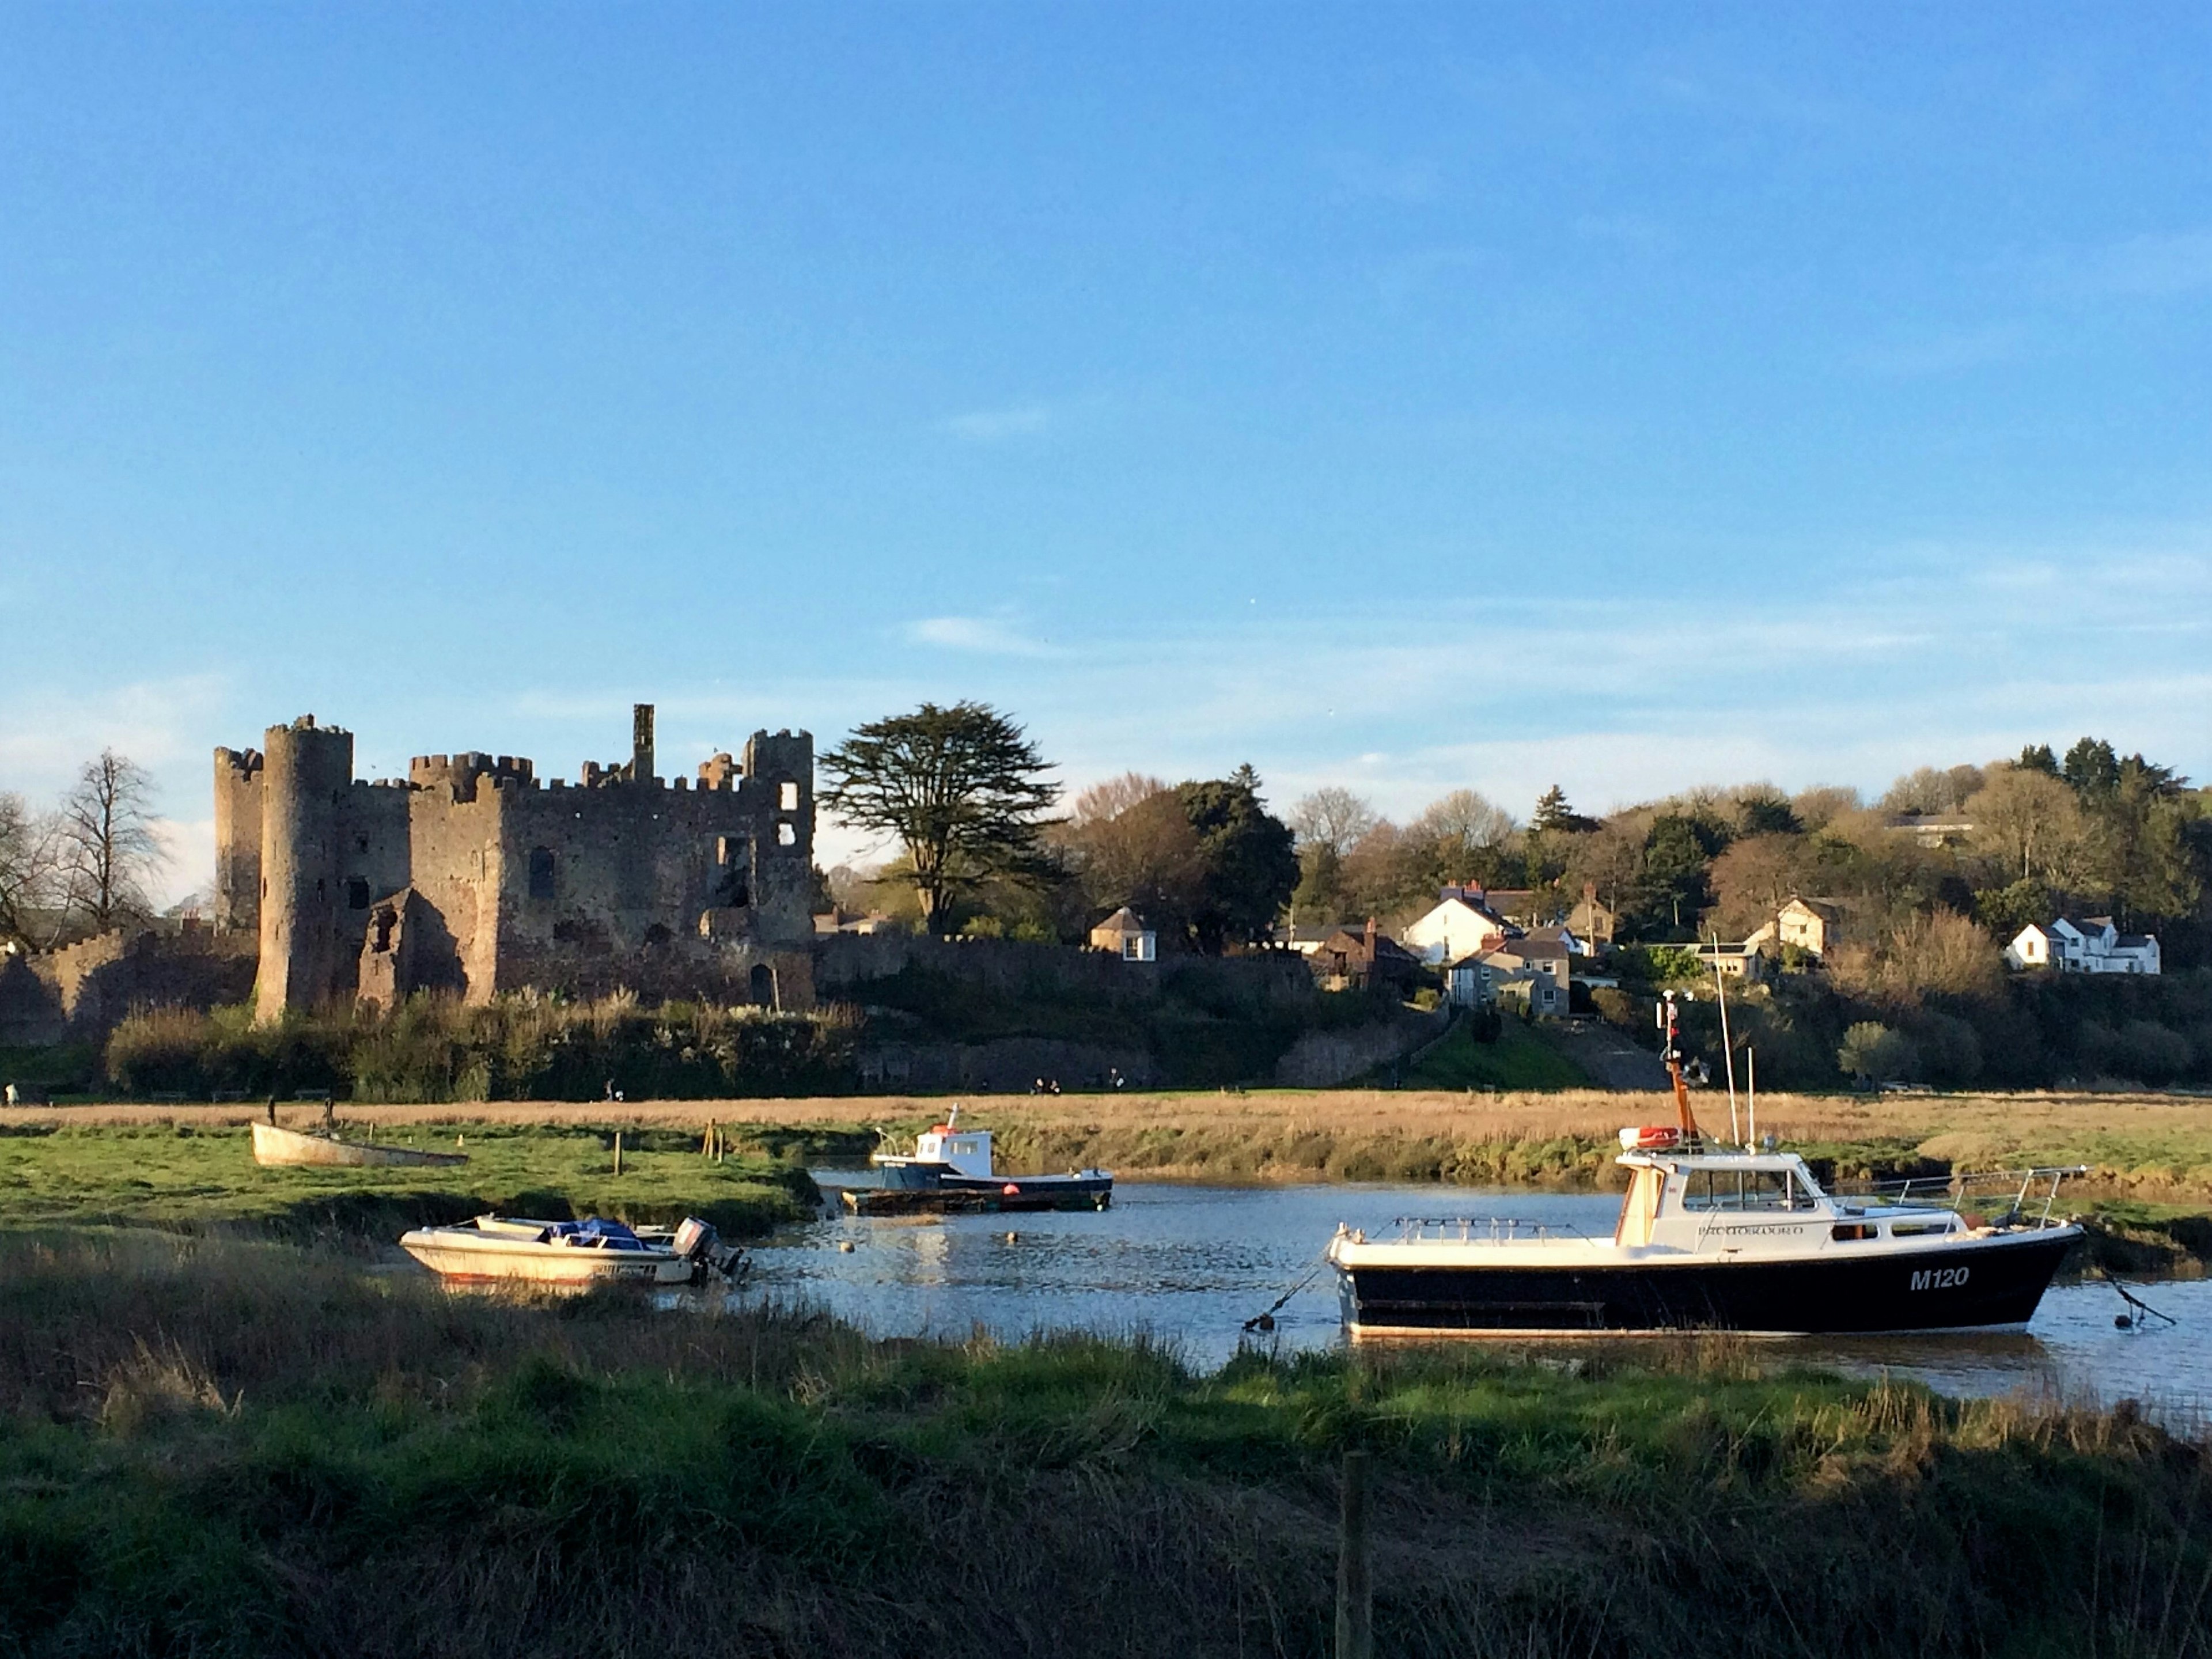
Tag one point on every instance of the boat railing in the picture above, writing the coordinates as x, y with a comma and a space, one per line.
1956, 1191
1489, 1228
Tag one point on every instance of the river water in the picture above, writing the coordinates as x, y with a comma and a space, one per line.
1187, 1265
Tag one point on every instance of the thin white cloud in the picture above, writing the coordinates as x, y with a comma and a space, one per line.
2158, 265
1945, 353
987, 635
991, 426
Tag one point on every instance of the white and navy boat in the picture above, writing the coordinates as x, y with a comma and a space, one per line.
951, 1170
1714, 1238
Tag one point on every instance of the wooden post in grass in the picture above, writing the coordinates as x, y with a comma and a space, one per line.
1355, 1587
618, 1152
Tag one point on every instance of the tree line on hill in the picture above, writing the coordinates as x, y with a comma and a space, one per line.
1208, 864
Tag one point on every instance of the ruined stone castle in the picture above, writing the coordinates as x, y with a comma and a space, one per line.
472, 876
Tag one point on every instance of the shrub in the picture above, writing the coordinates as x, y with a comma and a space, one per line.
1874, 1051
2148, 1051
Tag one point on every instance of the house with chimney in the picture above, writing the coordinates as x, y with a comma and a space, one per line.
1346, 961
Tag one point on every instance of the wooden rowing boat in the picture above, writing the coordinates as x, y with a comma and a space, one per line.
275, 1144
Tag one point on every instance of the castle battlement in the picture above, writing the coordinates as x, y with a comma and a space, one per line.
523, 883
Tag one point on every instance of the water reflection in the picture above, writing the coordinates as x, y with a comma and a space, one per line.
1189, 1264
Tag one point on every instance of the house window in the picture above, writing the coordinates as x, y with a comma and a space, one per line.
541, 873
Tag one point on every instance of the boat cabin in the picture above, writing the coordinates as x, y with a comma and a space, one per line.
1695, 1200
964, 1152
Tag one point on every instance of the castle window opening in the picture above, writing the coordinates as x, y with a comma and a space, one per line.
322, 887
541, 873
361, 843
357, 894
786, 835
786, 798
761, 981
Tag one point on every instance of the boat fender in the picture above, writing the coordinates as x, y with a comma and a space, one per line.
1010, 1190
1651, 1138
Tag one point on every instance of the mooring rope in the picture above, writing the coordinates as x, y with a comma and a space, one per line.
1266, 1321
2143, 1308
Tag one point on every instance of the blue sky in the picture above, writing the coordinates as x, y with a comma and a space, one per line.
1407, 397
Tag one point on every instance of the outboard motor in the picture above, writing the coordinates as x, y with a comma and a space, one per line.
697, 1243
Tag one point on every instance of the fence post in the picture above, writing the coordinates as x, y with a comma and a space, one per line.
1355, 1588
618, 1152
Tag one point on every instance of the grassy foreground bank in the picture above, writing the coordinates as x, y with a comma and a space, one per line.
215, 1447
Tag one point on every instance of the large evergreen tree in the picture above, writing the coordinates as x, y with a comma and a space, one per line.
961, 787
1251, 868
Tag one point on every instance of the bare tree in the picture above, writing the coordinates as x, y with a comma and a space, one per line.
1333, 818
1104, 801
108, 852
1465, 821
28, 860
2028, 820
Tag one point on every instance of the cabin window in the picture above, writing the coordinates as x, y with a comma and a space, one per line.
1849, 1233
1918, 1229
1743, 1189
541, 873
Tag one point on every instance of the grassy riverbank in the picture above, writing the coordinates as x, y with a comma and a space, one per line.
201, 1176
2149, 1156
215, 1447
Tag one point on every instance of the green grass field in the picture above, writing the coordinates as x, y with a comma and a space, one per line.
213, 1447
1520, 1059
197, 1177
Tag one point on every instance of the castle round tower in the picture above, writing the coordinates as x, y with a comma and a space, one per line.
306, 776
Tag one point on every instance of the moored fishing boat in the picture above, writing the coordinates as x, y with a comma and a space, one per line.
1713, 1237
951, 1169
499, 1249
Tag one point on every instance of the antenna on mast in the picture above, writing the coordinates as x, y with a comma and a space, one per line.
1728, 1053
1673, 1055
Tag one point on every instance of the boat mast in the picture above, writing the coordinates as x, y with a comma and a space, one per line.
1672, 1056
1727, 1047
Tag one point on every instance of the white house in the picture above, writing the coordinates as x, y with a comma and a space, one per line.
1125, 935
2092, 946
1814, 926
1459, 928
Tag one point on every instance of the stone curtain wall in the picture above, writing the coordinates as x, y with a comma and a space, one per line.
83, 992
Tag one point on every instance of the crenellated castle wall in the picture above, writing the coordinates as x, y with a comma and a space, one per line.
474, 876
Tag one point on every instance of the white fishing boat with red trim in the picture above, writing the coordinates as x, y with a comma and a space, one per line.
951, 1171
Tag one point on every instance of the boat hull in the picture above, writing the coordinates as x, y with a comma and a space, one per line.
1975, 1284
973, 1195
491, 1259
275, 1145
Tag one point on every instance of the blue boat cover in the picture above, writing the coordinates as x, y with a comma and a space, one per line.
607, 1235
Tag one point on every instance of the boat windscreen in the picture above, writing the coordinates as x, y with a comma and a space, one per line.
1745, 1189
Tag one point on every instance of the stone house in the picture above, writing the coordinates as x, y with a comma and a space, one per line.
1346, 961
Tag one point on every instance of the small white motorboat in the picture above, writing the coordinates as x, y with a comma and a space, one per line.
499, 1249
